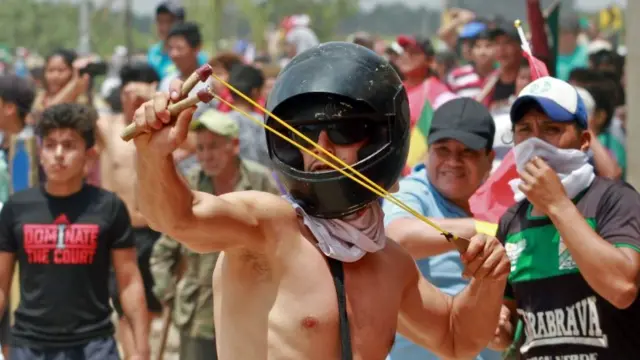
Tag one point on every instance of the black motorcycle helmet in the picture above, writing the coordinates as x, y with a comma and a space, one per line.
334, 83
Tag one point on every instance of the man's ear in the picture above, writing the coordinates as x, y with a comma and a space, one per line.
395, 187
585, 140
9, 109
255, 93
92, 152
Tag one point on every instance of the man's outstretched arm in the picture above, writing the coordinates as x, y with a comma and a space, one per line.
463, 325
200, 221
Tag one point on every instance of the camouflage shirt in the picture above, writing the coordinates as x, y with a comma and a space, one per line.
192, 296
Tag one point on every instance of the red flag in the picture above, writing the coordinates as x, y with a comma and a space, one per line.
495, 196
538, 68
537, 28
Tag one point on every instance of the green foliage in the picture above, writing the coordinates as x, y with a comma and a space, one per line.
229, 18
45, 26
326, 15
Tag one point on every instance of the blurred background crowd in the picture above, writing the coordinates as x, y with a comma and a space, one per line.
86, 51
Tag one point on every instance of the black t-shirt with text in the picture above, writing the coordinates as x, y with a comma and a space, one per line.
63, 248
564, 317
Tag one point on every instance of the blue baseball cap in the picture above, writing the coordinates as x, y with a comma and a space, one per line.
559, 100
472, 30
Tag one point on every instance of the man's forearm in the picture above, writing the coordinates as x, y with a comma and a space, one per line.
422, 241
475, 315
606, 269
606, 165
163, 197
135, 309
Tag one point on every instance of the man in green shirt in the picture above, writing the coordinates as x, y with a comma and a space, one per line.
571, 53
574, 245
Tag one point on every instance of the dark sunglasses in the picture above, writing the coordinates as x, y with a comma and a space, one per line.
341, 132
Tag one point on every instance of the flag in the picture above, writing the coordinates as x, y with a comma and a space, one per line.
539, 40
552, 19
495, 196
419, 133
537, 67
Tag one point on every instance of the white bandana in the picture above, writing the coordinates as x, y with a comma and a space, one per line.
350, 238
572, 166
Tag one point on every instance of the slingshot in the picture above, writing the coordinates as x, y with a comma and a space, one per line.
206, 95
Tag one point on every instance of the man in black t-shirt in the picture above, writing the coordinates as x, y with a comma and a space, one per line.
574, 245
64, 236
509, 55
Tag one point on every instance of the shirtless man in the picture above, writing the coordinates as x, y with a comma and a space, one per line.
275, 296
117, 162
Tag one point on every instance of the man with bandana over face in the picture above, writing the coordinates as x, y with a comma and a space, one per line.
573, 238
311, 275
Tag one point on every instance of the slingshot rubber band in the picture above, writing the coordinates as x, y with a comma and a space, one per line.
372, 186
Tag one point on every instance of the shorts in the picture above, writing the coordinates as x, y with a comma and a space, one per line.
99, 349
145, 238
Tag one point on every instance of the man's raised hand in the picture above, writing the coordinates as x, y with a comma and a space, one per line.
485, 259
162, 133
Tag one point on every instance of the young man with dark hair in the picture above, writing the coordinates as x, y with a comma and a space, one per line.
183, 44
117, 166
65, 235
168, 14
184, 41
508, 54
469, 80
249, 80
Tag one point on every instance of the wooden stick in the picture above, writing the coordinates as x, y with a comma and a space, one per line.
202, 74
166, 326
167, 311
462, 244
204, 95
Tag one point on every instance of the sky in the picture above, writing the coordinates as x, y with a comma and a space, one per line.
147, 6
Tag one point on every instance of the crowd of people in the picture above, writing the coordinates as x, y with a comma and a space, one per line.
252, 248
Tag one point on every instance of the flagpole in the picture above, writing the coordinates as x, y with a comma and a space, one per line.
523, 38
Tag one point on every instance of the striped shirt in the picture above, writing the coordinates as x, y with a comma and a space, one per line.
465, 81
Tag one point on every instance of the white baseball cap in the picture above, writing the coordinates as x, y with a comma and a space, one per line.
558, 99
589, 102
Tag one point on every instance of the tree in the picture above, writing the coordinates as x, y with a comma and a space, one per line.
45, 26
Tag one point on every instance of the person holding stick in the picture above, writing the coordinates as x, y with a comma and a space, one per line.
221, 169
312, 275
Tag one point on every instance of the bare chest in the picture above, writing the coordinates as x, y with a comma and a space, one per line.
302, 306
120, 154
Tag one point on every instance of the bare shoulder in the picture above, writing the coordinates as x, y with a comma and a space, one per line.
263, 205
108, 125
404, 262
277, 223
104, 122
